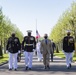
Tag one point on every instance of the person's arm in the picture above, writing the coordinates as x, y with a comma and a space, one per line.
34, 44
63, 44
23, 43
73, 44
19, 46
7, 46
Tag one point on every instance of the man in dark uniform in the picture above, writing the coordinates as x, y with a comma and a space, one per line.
68, 48
13, 47
28, 45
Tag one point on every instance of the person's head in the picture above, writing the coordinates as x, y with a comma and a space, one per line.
13, 34
68, 33
45, 36
29, 32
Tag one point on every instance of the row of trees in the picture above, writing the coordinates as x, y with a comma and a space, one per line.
66, 22
6, 28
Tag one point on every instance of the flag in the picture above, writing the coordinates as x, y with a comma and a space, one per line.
37, 34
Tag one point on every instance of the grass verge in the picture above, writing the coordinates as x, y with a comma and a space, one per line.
4, 59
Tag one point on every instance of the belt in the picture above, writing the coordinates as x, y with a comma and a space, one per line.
29, 44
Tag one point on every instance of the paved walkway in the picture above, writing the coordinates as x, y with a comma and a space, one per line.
58, 67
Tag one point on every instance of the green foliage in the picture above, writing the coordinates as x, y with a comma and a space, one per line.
66, 21
6, 28
4, 59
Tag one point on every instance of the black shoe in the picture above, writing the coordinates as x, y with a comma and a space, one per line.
15, 69
26, 67
70, 65
10, 69
48, 67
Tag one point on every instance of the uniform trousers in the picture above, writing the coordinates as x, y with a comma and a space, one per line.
28, 58
13, 60
69, 57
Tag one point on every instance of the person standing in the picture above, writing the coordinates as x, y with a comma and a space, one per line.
13, 47
52, 53
68, 48
39, 55
46, 48
28, 44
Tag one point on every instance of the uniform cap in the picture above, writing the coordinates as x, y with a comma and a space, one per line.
68, 31
13, 32
29, 31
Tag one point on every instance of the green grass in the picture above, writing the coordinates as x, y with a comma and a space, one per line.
4, 59
61, 54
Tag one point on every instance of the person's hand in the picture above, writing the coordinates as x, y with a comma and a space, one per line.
6, 51
73, 51
19, 51
34, 49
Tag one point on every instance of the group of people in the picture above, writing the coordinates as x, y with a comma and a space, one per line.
44, 48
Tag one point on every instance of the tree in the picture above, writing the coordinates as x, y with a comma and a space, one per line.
66, 21
1, 18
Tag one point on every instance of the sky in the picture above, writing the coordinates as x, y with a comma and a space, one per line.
35, 14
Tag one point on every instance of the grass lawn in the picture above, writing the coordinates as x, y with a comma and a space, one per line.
4, 59
61, 54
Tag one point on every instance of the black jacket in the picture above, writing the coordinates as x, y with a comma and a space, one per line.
68, 44
13, 45
29, 43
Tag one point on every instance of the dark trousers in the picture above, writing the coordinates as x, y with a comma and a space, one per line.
52, 55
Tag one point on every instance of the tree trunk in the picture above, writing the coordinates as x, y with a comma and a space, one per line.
5, 40
1, 53
57, 49
75, 50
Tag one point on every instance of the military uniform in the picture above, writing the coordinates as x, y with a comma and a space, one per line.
68, 48
28, 45
13, 46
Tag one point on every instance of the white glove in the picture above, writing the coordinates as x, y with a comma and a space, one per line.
6, 51
19, 51
34, 49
